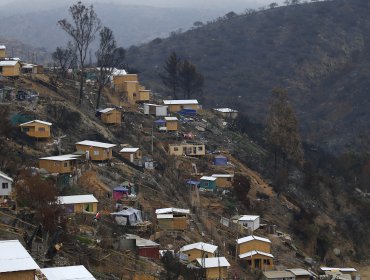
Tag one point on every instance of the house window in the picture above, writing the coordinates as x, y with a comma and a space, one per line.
96, 152
200, 148
267, 262
206, 184
41, 129
175, 149
5, 185
25, 129
66, 164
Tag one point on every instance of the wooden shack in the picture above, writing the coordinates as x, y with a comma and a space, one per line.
110, 116
172, 218
224, 180
131, 154
36, 129
78, 203
178, 105
252, 242
215, 268
59, 164
10, 68
198, 250
96, 151
172, 123
187, 149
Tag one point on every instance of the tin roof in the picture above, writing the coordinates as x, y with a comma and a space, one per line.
171, 211
208, 178
252, 237
6, 177
171, 118
249, 218
223, 175
8, 62
35, 121
14, 257
180, 102
78, 272
226, 110
278, 274
62, 157
299, 271
200, 246
213, 262
253, 253
75, 199
95, 144
129, 150
106, 110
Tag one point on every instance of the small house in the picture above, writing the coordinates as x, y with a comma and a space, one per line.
258, 260
110, 116
36, 129
198, 250
79, 203
128, 216
278, 275
215, 268
226, 113
156, 110
2, 51
252, 222
59, 164
172, 123
10, 68
142, 96
6, 183
144, 247
224, 180
16, 262
187, 149
175, 106
131, 154
343, 270
207, 183
120, 78
253, 243
300, 273
67, 273
172, 218
220, 160
96, 151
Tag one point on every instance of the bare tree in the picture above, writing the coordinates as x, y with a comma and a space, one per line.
65, 58
190, 80
108, 57
170, 76
85, 23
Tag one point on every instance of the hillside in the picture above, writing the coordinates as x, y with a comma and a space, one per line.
318, 51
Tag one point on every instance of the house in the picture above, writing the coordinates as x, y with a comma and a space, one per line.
175, 106
226, 113
172, 123
144, 247
198, 250
36, 129
300, 273
79, 203
207, 183
16, 262
131, 154
156, 110
344, 270
96, 151
110, 116
2, 51
32, 68
256, 251
5, 185
187, 149
10, 68
278, 275
143, 95
128, 216
172, 218
67, 273
220, 160
120, 80
252, 222
215, 268
224, 180
59, 164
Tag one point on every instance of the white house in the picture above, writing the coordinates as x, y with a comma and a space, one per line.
5, 184
67, 273
156, 110
250, 221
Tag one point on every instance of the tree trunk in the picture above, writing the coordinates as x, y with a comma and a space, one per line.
100, 88
81, 87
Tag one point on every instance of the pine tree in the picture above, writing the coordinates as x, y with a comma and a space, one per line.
170, 76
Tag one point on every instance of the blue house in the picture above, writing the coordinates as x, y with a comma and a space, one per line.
207, 183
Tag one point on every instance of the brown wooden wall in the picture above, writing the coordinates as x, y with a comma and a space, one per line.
195, 253
104, 154
216, 273
53, 166
35, 130
112, 117
254, 245
18, 275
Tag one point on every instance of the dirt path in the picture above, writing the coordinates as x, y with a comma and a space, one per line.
365, 272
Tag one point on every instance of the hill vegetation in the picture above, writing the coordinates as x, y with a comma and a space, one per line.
317, 51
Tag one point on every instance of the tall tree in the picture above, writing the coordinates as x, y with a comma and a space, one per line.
85, 24
190, 80
108, 57
282, 131
65, 58
170, 77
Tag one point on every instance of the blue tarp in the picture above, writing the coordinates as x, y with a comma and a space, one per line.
187, 112
160, 122
120, 189
193, 182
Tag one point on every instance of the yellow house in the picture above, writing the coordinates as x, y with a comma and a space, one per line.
10, 68
16, 262
177, 105
214, 268
224, 180
199, 250
119, 79
36, 129
131, 154
2, 51
59, 164
172, 123
143, 96
186, 149
79, 203
97, 151
110, 116
172, 218
256, 251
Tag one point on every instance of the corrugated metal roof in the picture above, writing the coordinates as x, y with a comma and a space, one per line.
164, 216
141, 242
14, 257
129, 150
96, 144
36, 121
278, 274
223, 175
248, 218
74, 199
252, 237
255, 252
78, 272
299, 271
8, 62
200, 246
6, 177
62, 157
213, 262
180, 102
172, 210
344, 269
226, 110
171, 118
208, 178
106, 110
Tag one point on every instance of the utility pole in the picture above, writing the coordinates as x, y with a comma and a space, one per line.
152, 140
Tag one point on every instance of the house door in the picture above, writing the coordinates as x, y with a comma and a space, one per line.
257, 263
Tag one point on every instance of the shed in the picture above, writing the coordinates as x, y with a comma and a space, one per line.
220, 160
16, 262
178, 105
128, 217
207, 183
131, 154
79, 203
10, 68
172, 123
300, 273
67, 273
36, 128
215, 268
172, 218
250, 221
258, 259
110, 116
96, 151
59, 164
5, 185
224, 180
156, 110
278, 275
145, 247
198, 250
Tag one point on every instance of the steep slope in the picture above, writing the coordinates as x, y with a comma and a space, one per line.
317, 51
